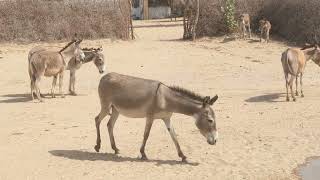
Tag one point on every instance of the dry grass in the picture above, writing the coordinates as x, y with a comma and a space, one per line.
38, 20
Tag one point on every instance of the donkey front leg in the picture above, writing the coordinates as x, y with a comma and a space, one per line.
72, 82
173, 135
268, 35
113, 118
297, 93
149, 122
54, 82
103, 113
61, 84
249, 29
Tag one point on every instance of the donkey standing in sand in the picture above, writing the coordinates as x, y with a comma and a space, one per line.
244, 24
139, 98
48, 63
92, 54
294, 61
264, 27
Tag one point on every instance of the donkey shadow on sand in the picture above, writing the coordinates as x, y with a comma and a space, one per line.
93, 156
271, 98
15, 98
23, 97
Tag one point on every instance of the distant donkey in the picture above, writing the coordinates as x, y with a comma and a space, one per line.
294, 61
43, 62
142, 98
92, 54
244, 24
264, 27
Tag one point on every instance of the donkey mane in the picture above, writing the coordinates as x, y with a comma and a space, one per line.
90, 49
188, 93
65, 47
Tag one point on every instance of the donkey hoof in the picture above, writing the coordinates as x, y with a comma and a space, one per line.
302, 95
144, 158
72, 93
97, 148
288, 99
117, 151
294, 99
184, 159
297, 94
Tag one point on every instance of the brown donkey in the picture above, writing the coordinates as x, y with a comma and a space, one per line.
142, 98
264, 27
294, 61
244, 25
48, 63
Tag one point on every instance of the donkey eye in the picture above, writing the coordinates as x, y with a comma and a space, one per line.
210, 121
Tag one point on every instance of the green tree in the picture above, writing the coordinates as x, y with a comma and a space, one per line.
229, 16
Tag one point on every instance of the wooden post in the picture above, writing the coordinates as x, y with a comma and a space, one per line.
145, 9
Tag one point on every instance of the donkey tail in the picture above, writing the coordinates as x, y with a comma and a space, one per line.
286, 62
32, 71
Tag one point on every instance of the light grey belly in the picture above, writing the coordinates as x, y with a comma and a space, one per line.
139, 112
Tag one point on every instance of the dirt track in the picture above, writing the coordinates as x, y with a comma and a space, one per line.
260, 135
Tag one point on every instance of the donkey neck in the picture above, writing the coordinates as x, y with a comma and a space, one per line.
179, 103
308, 53
66, 55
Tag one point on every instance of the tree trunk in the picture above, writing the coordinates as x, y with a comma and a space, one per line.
196, 20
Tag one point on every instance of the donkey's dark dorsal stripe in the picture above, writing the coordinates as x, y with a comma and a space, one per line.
188, 93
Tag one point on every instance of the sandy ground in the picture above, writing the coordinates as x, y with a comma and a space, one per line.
260, 135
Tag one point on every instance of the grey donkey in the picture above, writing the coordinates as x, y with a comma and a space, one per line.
294, 62
142, 98
91, 55
43, 62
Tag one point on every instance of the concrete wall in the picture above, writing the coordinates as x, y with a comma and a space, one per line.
154, 12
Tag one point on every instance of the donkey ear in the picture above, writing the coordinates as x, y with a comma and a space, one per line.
213, 100
206, 100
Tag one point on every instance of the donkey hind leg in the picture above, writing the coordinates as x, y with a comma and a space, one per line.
149, 122
291, 88
302, 95
37, 89
174, 138
113, 118
32, 89
61, 84
54, 83
287, 86
103, 113
297, 93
